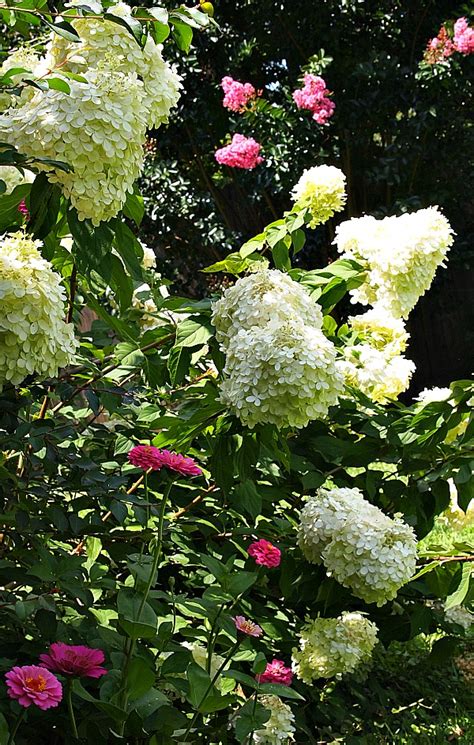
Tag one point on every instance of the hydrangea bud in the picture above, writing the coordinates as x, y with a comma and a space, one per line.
321, 190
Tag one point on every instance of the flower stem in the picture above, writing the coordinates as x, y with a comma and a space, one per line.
209, 688
19, 720
130, 646
70, 709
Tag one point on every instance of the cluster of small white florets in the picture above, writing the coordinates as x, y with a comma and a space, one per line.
278, 730
99, 128
33, 335
400, 255
363, 549
333, 646
321, 190
280, 368
434, 395
374, 364
261, 298
13, 177
460, 616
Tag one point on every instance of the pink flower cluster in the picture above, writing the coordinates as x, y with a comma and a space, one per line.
463, 36
276, 672
149, 456
35, 684
442, 46
242, 152
314, 96
265, 553
236, 95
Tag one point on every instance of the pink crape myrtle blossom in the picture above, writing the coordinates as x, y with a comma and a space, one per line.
145, 456
265, 553
463, 37
245, 626
32, 684
276, 672
179, 463
236, 95
242, 152
74, 660
439, 48
314, 96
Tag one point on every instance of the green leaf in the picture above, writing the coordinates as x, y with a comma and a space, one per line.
134, 27
462, 589
250, 719
281, 256
280, 690
134, 208
64, 29
182, 34
138, 624
140, 678
192, 333
199, 685
248, 498
58, 84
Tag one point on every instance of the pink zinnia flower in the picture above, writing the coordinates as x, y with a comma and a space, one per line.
237, 95
314, 96
245, 626
242, 152
74, 660
32, 684
145, 456
463, 37
265, 553
177, 462
276, 672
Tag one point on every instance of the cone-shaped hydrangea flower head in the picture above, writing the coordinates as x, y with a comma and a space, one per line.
400, 255
260, 298
360, 546
78, 660
321, 190
279, 728
333, 646
33, 335
284, 374
35, 685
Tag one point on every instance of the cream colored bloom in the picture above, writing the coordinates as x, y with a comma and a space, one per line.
321, 189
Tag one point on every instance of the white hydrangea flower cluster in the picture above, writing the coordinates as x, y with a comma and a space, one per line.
149, 257
400, 254
370, 370
322, 190
460, 616
363, 549
434, 395
14, 177
105, 42
98, 130
374, 364
333, 646
280, 368
33, 335
100, 127
23, 58
278, 730
260, 298
199, 653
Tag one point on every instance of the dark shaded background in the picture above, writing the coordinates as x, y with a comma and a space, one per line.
402, 136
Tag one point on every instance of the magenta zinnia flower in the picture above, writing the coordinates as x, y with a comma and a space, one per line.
245, 626
242, 152
145, 456
32, 684
177, 462
276, 672
265, 553
74, 660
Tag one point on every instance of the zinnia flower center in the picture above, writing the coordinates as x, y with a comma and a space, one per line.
36, 684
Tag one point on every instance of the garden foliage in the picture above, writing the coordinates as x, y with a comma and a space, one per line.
209, 506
